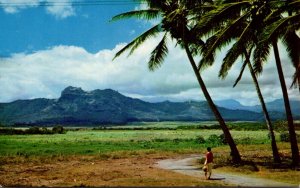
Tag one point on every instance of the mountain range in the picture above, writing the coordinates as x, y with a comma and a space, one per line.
78, 107
273, 106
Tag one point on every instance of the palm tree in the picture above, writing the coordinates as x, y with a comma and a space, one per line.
273, 32
285, 28
257, 11
276, 156
175, 24
232, 30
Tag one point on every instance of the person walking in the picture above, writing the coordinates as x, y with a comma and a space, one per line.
208, 163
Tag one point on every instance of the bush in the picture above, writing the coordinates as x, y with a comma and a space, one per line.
280, 125
214, 139
222, 138
284, 137
245, 140
58, 129
200, 140
11, 131
248, 126
33, 130
269, 135
161, 140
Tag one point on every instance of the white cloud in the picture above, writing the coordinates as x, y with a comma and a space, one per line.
58, 9
15, 6
46, 73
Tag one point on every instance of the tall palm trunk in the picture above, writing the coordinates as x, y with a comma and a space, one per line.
276, 156
289, 116
234, 151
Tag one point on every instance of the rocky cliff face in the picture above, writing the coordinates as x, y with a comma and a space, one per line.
78, 107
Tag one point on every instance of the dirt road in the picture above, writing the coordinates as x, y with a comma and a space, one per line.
186, 166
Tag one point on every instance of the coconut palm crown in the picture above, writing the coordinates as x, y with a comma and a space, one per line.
177, 24
232, 24
243, 24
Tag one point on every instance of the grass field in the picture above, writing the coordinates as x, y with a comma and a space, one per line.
127, 153
104, 141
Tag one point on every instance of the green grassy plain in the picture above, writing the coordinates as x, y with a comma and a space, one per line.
139, 144
88, 141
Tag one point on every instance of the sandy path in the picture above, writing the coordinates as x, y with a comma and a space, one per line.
185, 166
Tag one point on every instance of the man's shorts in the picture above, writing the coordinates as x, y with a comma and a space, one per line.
209, 167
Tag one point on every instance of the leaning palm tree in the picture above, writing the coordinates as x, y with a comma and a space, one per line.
256, 11
273, 33
175, 24
233, 29
285, 28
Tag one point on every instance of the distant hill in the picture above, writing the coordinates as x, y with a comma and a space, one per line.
273, 106
78, 107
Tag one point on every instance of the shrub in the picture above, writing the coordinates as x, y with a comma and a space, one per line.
222, 138
33, 130
58, 129
214, 139
44, 130
284, 137
247, 126
200, 140
280, 125
160, 140
269, 135
245, 140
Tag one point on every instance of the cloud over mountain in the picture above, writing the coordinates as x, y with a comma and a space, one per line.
45, 73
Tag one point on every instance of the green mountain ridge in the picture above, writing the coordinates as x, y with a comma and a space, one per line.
78, 107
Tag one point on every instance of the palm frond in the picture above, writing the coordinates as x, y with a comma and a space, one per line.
260, 56
296, 78
133, 45
277, 29
156, 4
244, 41
218, 16
292, 43
241, 73
232, 55
150, 33
294, 5
224, 37
158, 54
207, 59
139, 14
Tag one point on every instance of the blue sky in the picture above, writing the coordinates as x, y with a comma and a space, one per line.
44, 49
33, 28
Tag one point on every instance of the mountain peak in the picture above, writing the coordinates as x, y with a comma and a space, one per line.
72, 90
107, 92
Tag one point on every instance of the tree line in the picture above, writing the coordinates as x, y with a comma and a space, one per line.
58, 129
252, 28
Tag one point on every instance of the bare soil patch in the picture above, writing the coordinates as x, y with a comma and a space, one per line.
92, 171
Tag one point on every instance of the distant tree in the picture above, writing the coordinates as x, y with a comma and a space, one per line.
33, 130
58, 129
